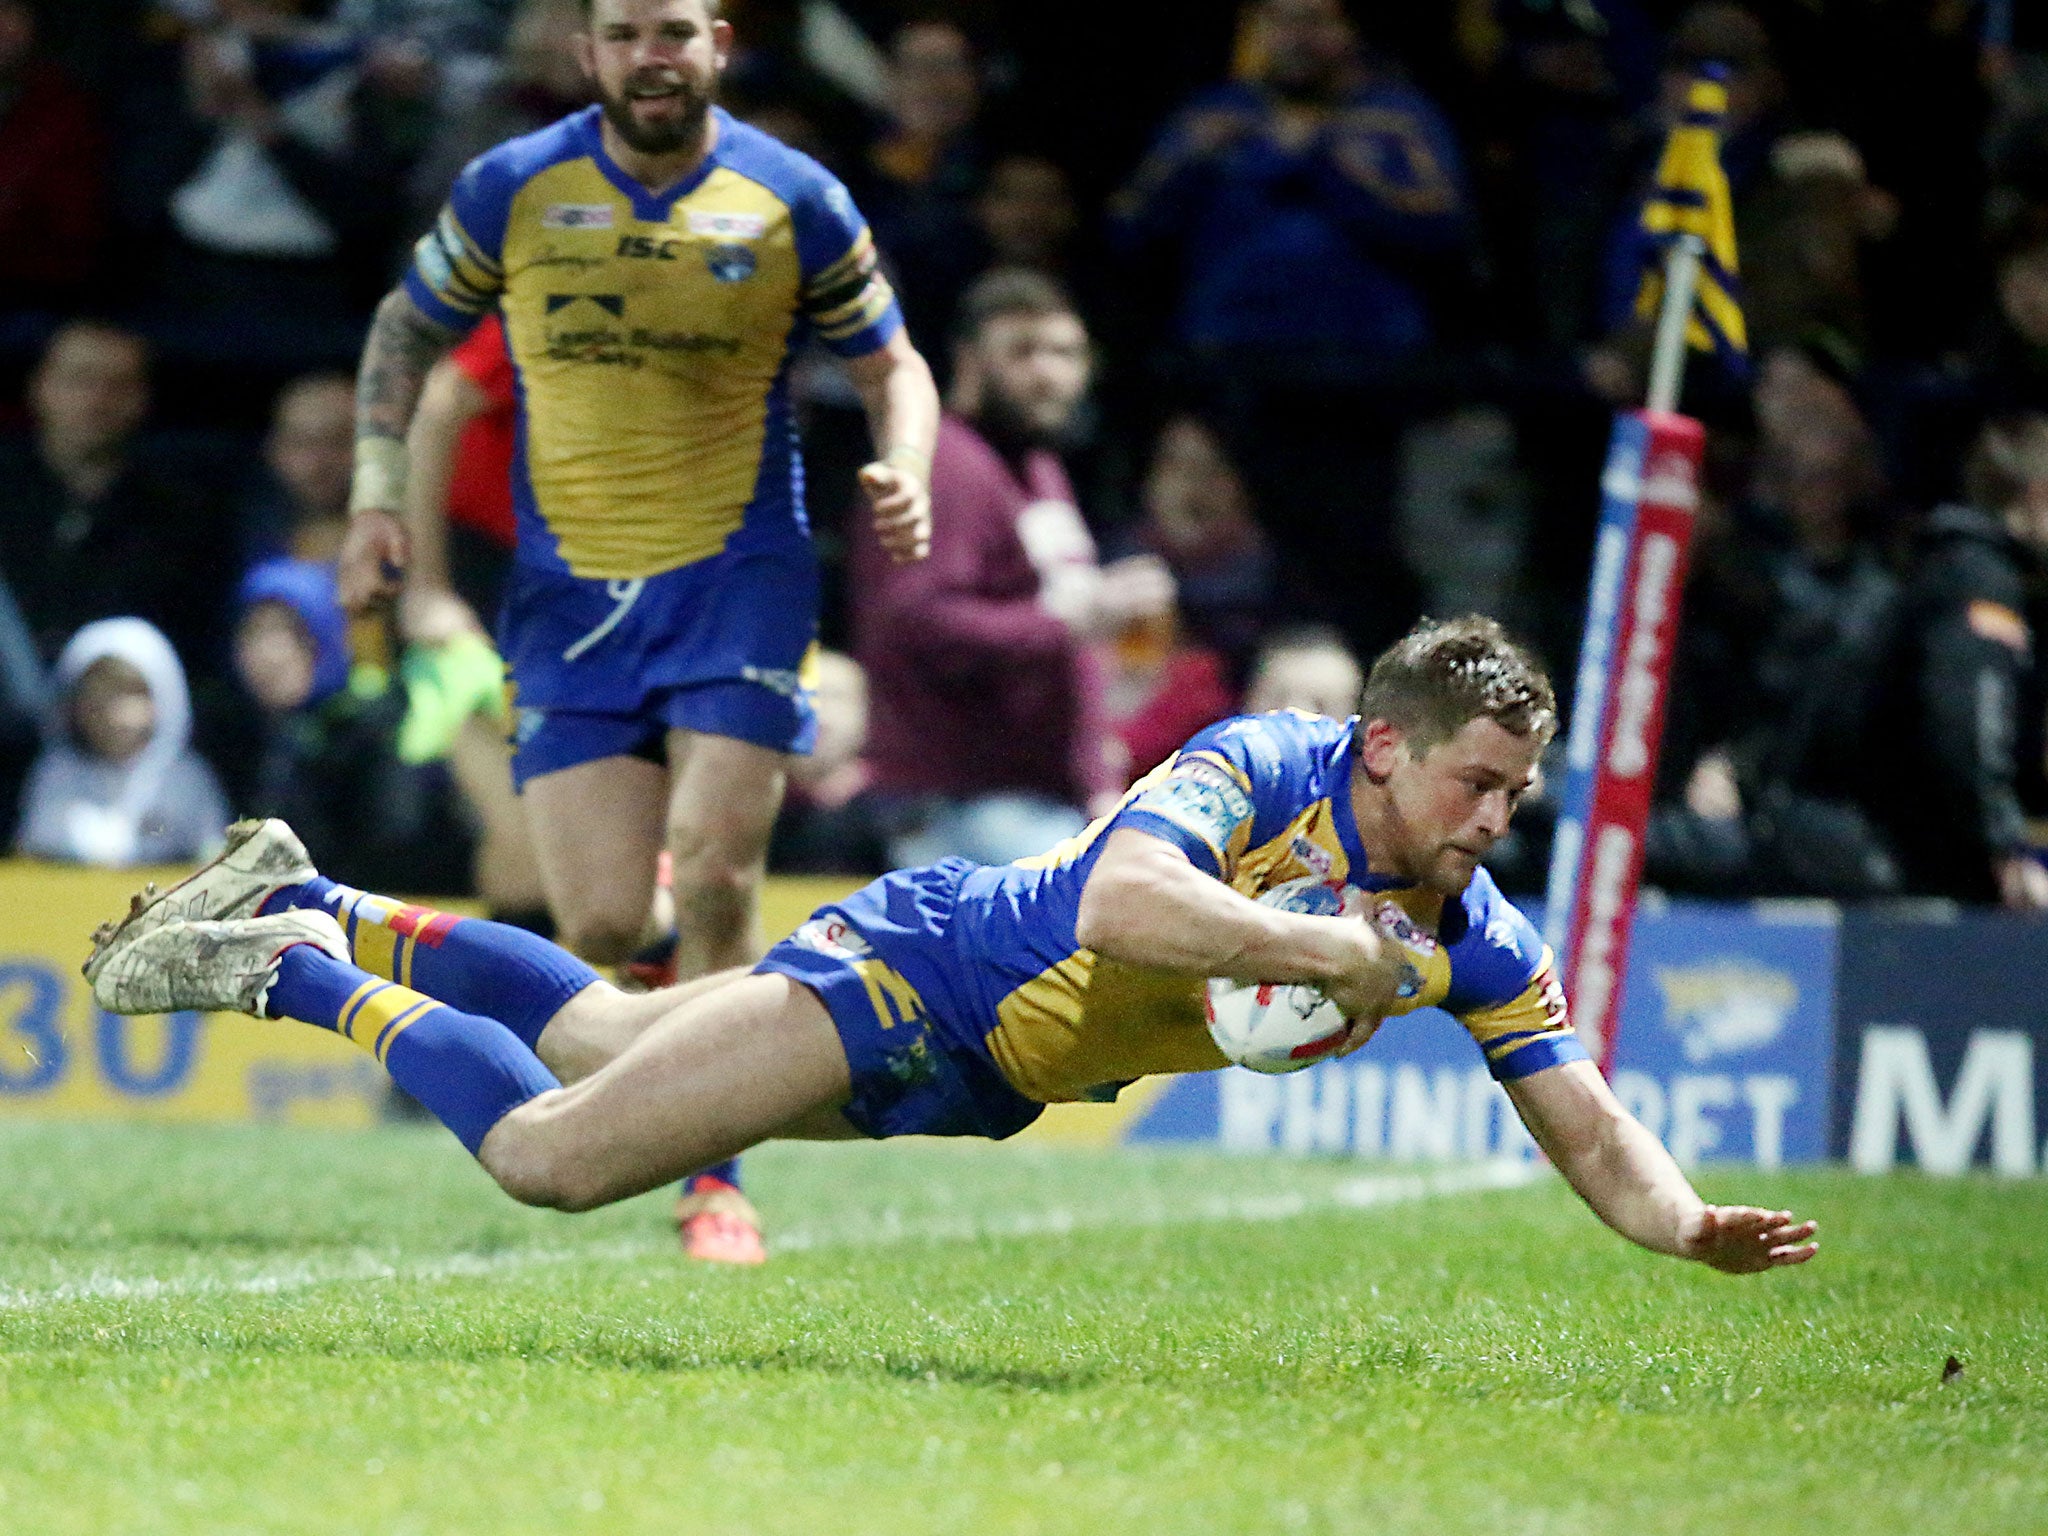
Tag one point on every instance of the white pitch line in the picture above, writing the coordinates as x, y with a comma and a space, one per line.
886, 1230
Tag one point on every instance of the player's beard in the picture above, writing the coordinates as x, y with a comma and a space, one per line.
685, 129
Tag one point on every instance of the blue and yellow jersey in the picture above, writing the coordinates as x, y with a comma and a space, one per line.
652, 333
1258, 802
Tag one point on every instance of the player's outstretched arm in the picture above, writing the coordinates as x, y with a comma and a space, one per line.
902, 402
1145, 904
1630, 1181
402, 347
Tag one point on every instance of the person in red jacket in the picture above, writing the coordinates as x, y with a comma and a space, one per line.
985, 662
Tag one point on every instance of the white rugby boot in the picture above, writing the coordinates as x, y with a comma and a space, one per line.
208, 967
261, 858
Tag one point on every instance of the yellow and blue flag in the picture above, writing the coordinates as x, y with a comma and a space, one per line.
1692, 198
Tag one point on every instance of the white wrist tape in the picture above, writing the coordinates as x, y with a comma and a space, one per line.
379, 483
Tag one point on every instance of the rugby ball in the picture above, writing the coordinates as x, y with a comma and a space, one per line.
1281, 1027
1277, 1026
1271, 1027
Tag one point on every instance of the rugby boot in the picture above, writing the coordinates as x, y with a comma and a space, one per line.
208, 967
718, 1224
261, 858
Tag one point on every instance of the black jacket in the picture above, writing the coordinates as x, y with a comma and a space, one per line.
1954, 753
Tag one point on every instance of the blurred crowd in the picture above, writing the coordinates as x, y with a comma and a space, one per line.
1265, 327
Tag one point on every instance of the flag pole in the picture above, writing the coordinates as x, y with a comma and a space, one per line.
1667, 353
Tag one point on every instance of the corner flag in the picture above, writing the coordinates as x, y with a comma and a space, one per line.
1649, 490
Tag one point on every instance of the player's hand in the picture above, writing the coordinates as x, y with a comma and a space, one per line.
1369, 986
902, 506
1742, 1240
373, 560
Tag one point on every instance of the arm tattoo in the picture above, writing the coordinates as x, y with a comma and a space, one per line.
402, 347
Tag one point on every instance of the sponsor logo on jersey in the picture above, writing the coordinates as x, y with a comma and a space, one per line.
1313, 855
727, 226
613, 304
730, 263
1201, 798
578, 216
832, 936
658, 248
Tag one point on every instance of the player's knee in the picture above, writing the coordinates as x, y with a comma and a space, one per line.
714, 884
536, 1166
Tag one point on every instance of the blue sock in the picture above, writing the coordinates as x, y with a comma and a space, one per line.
469, 1072
503, 973
727, 1172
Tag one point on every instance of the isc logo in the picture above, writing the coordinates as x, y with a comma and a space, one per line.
649, 246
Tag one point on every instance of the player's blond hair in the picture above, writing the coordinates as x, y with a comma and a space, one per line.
1445, 673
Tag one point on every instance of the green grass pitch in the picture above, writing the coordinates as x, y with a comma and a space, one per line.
227, 1331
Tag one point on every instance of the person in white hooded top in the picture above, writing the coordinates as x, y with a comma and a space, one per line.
119, 784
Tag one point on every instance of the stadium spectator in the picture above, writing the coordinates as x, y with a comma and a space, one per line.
540, 81
94, 527
1567, 81
119, 783
1306, 667
467, 35
829, 823
52, 177
1198, 519
1954, 749
1763, 787
923, 170
1316, 224
300, 503
275, 173
984, 661
365, 765
1027, 215
1305, 207
1159, 689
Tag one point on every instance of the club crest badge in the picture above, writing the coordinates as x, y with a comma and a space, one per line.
730, 263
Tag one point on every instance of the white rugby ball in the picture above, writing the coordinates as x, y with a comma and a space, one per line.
1273, 1027
1282, 1027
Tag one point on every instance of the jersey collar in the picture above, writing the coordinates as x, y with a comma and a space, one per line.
1343, 764
654, 207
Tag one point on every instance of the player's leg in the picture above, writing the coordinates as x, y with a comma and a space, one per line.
721, 811
737, 1063
547, 997
743, 1062
722, 808
597, 831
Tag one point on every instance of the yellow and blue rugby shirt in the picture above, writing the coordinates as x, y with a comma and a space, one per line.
652, 334
1258, 802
